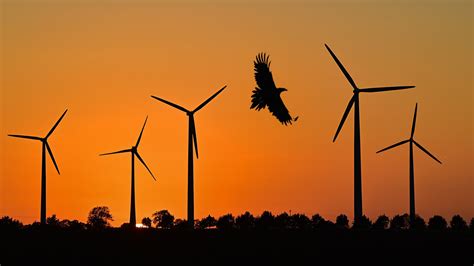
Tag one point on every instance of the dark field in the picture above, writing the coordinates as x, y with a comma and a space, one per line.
213, 247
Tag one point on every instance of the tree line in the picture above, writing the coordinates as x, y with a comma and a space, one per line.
100, 217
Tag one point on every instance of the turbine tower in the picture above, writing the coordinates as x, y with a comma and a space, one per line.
134, 151
192, 139
354, 101
45, 146
412, 141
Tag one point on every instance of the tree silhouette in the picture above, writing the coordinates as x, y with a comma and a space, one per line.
418, 223
400, 222
437, 223
207, 222
163, 219
363, 223
458, 223
9, 224
381, 223
317, 221
300, 221
226, 222
127, 226
342, 221
471, 224
99, 217
180, 224
53, 221
282, 221
73, 225
245, 221
146, 221
265, 221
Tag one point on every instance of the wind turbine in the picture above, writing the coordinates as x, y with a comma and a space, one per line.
354, 101
45, 145
412, 141
192, 138
134, 151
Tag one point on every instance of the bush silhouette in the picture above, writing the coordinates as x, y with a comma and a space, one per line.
53, 221
99, 217
363, 223
207, 222
146, 221
7, 223
381, 223
458, 223
282, 221
245, 221
342, 221
317, 221
400, 222
437, 223
300, 222
471, 224
226, 222
73, 225
418, 224
163, 219
265, 221
180, 224
127, 226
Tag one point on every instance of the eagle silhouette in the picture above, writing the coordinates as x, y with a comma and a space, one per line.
266, 93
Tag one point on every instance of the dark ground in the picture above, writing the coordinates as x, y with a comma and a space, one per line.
212, 247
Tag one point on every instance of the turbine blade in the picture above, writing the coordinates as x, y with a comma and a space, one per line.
171, 104
208, 100
427, 152
394, 145
25, 137
379, 89
115, 152
346, 113
55, 125
52, 157
414, 122
141, 132
143, 162
348, 77
194, 135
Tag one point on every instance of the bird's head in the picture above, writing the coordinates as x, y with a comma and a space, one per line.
280, 90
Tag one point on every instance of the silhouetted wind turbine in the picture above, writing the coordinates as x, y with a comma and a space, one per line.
412, 141
134, 152
192, 138
357, 157
45, 146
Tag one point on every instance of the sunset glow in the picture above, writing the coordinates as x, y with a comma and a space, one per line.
102, 60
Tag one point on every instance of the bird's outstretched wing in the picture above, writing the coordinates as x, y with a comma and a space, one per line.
278, 109
265, 83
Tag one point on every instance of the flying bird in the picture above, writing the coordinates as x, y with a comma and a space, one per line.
266, 93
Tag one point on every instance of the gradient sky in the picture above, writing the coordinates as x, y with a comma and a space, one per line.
103, 59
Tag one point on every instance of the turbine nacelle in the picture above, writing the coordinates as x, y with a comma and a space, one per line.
412, 140
134, 150
44, 140
356, 90
190, 114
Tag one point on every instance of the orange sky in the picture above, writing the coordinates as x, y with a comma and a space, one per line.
103, 59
